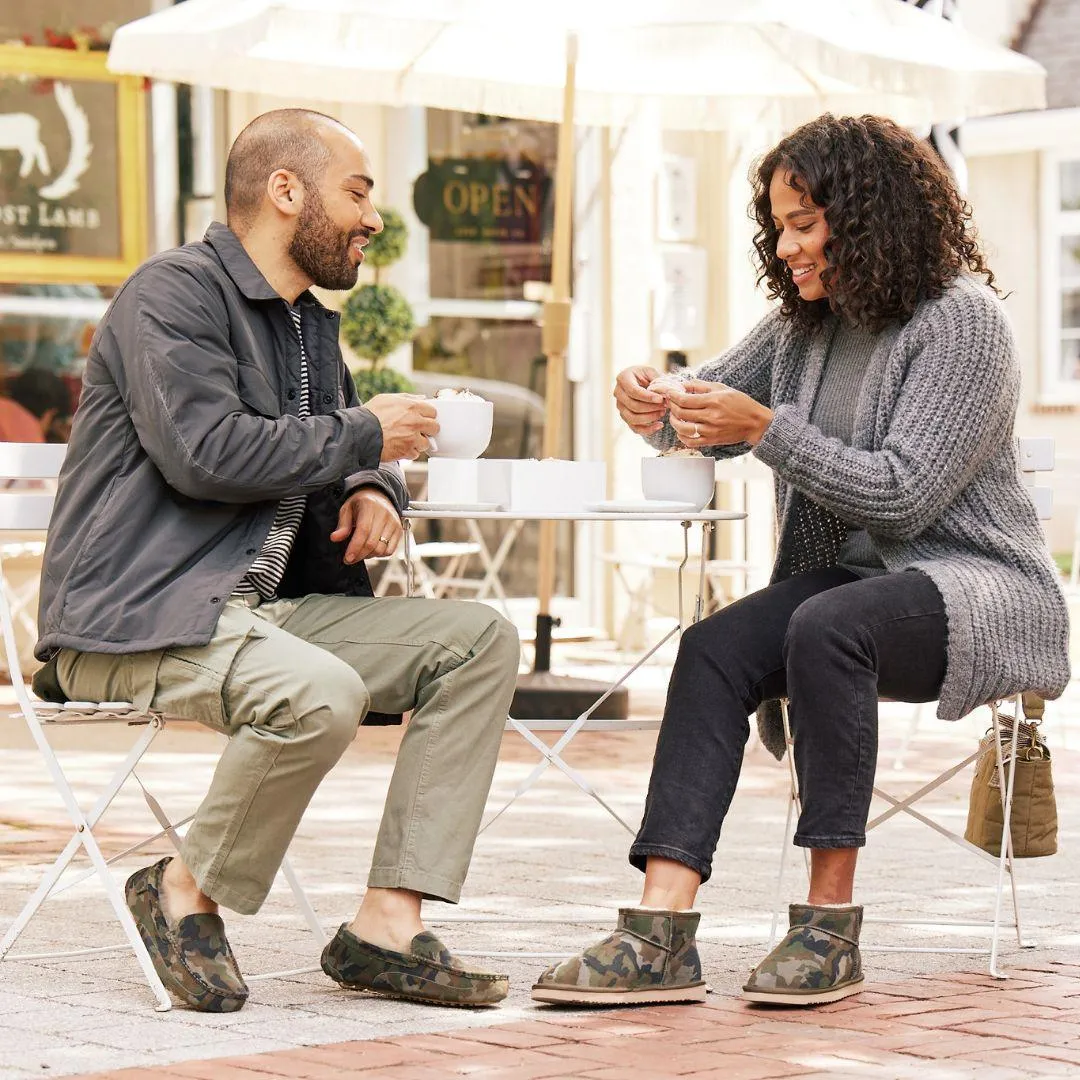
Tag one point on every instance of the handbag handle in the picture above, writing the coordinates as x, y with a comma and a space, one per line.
1034, 706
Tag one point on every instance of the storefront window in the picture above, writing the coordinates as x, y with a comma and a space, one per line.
45, 333
486, 199
1069, 274
74, 198
1060, 282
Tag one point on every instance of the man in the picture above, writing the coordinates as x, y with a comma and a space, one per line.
221, 491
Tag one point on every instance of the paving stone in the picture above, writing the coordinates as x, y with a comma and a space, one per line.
937, 1017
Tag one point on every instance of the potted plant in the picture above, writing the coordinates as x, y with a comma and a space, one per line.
376, 318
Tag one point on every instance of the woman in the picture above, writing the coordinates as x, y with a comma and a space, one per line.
882, 391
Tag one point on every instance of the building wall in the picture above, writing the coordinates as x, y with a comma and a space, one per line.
1004, 193
1053, 38
734, 304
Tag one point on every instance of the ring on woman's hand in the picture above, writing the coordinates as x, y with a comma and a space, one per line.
384, 540
695, 434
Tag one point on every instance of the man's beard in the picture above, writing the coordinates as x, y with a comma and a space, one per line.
320, 249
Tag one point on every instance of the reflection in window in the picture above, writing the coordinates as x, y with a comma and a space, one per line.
1070, 256
498, 359
1069, 274
1070, 309
1070, 185
45, 333
487, 199
1070, 360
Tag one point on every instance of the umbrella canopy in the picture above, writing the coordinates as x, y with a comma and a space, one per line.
705, 64
700, 64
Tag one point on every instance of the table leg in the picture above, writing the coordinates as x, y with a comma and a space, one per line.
493, 563
552, 754
682, 566
407, 547
551, 757
699, 606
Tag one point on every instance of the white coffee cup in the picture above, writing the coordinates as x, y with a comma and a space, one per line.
679, 479
464, 427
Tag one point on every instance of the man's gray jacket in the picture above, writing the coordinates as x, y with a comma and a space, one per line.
185, 440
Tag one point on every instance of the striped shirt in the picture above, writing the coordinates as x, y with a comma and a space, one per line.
266, 572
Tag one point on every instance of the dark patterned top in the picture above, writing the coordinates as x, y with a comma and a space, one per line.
266, 571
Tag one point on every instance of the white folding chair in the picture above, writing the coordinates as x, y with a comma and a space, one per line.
1036, 455
29, 511
432, 583
22, 595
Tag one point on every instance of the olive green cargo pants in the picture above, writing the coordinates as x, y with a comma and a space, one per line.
289, 681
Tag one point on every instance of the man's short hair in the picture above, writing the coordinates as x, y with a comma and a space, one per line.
280, 139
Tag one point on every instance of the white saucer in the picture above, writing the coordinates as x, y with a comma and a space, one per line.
452, 507
642, 506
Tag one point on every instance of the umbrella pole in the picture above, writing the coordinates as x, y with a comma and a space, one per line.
541, 694
555, 340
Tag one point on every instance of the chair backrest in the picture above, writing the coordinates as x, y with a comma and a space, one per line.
1037, 455
22, 508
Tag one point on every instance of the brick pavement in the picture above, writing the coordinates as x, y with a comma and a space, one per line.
555, 854
928, 1026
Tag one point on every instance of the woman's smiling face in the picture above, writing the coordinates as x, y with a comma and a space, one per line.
801, 235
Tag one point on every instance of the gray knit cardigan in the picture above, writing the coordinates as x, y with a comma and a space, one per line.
931, 473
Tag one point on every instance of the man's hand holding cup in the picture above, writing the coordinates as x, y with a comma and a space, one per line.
407, 422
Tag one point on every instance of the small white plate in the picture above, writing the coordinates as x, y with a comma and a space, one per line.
450, 507
642, 506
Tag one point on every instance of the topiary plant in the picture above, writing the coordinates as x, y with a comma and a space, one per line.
376, 319
389, 245
372, 381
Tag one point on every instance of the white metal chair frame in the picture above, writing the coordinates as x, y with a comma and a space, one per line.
551, 756
30, 511
1036, 455
433, 584
1004, 862
23, 598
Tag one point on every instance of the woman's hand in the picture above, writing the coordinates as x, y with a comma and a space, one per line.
642, 409
712, 414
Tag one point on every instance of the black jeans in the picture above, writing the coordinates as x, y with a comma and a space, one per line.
831, 643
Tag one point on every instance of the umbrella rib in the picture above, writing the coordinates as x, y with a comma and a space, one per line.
420, 55
760, 31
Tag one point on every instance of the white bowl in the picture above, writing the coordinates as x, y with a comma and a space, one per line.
679, 479
464, 427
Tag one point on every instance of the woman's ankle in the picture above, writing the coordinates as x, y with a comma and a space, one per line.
669, 885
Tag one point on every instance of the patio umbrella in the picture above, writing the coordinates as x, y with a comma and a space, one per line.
700, 64
705, 64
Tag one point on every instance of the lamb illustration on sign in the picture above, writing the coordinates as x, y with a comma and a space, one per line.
22, 132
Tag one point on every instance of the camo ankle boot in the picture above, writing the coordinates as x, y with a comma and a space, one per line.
651, 957
818, 960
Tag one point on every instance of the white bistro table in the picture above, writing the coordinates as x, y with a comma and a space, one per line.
527, 727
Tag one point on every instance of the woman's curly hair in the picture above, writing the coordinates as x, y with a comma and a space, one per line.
899, 231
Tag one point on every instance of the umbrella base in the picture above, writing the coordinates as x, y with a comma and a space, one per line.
541, 695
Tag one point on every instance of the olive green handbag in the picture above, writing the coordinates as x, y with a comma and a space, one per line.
1033, 825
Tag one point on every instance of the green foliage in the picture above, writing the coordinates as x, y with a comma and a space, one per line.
375, 320
388, 246
372, 381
